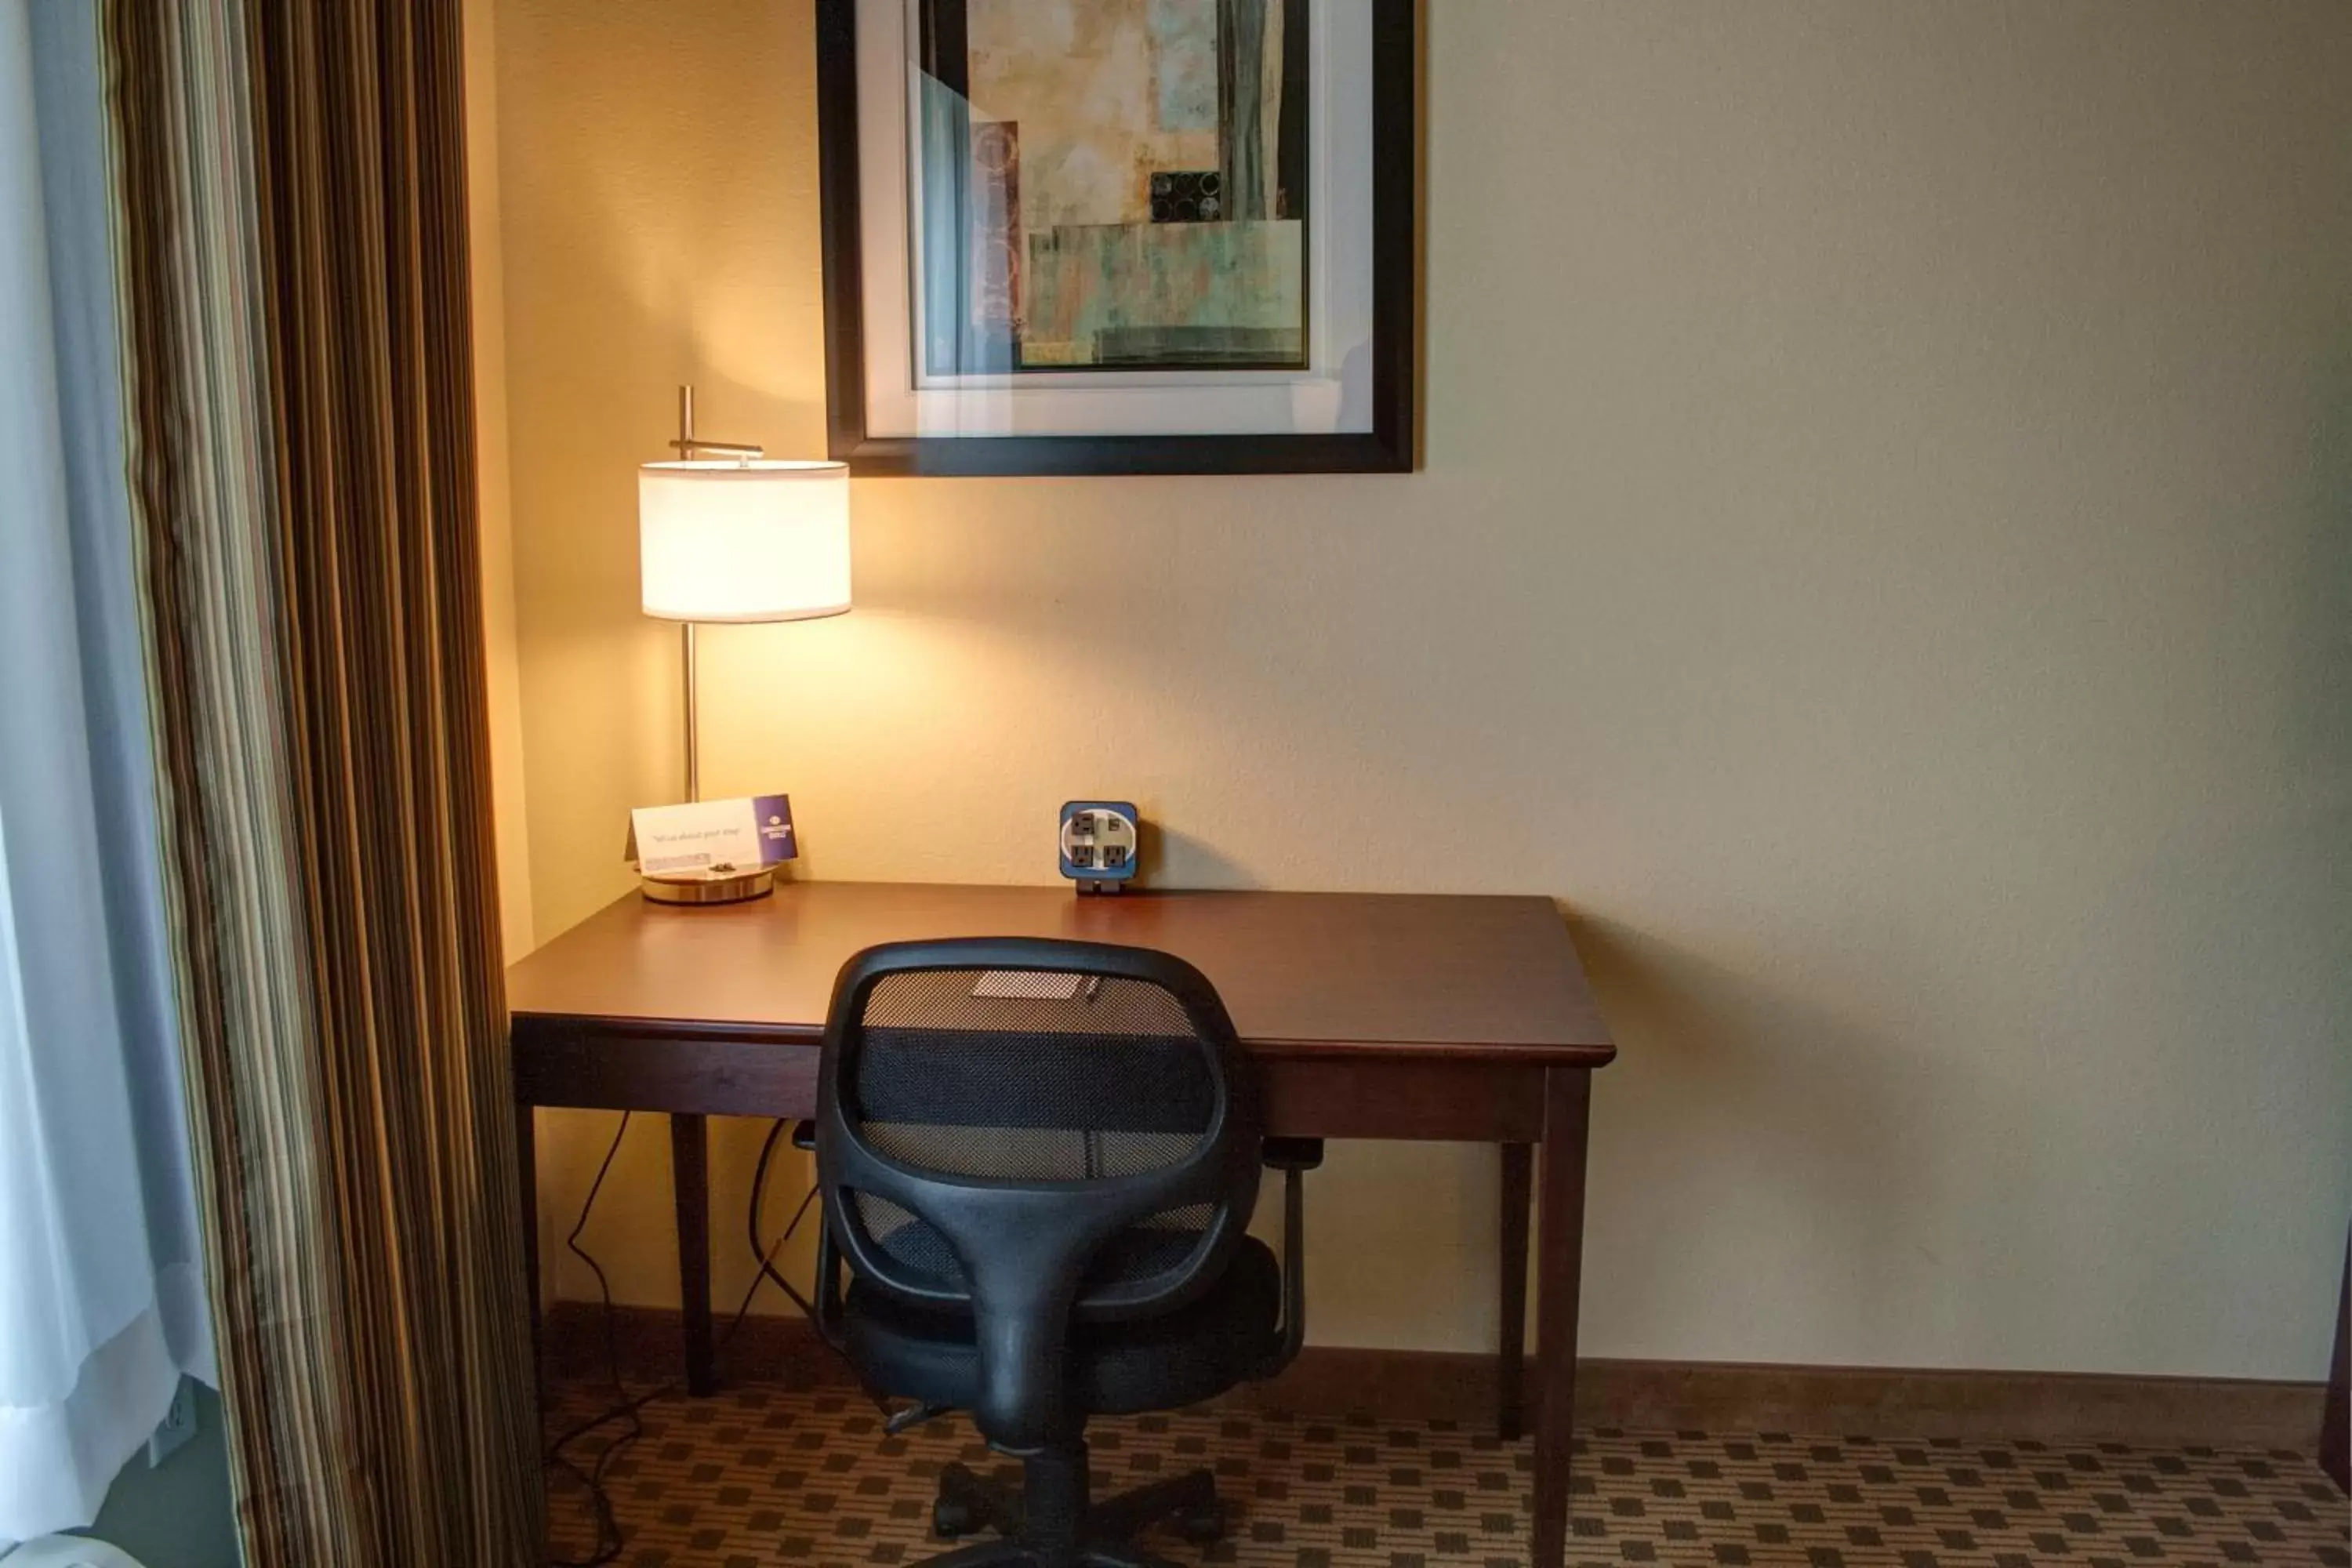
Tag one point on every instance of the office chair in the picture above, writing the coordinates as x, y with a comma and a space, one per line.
1038, 1160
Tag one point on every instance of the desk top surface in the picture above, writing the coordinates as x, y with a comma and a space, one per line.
1301, 974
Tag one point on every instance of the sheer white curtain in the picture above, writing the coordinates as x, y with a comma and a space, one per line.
101, 1304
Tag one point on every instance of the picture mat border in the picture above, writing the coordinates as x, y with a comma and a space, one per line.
1388, 446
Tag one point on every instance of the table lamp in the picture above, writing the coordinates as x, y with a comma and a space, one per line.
725, 534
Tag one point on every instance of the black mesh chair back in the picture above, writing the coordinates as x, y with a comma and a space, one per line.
1034, 1133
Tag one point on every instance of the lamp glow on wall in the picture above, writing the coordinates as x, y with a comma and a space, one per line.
726, 535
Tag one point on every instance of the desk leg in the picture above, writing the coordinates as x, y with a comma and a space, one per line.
1511, 1357
689, 1164
527, 1188
1559, 1262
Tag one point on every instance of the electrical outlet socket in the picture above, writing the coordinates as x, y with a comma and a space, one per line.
1101, 843
179, 1425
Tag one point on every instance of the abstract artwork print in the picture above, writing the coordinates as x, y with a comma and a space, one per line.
1109, 184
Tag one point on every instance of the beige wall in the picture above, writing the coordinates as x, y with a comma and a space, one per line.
489, 264
1881, 563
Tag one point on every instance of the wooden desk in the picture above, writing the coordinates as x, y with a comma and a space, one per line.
1371, 1016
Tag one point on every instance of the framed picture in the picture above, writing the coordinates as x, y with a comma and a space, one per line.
1118, 236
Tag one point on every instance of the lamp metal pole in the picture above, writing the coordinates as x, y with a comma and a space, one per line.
686, 628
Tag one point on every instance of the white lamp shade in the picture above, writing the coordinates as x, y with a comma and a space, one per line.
743, 541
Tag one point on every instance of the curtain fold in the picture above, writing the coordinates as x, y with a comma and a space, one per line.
289, 188
101, 1309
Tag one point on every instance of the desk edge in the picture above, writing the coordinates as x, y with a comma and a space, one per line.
1566, 1054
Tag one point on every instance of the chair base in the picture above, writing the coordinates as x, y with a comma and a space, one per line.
1051, 1523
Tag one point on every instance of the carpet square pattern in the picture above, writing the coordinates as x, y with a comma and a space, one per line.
760, 1474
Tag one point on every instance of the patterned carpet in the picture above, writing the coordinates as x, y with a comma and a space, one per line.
758, 1476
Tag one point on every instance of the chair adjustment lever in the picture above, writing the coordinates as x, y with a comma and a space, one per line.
898, 1421
805, 1135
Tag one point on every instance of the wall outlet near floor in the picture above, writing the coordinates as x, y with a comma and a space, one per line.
179, 1425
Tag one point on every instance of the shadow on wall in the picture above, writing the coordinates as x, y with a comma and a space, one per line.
2323, 716
1868, 1153
1175, 859
177, 1514
1716, 1055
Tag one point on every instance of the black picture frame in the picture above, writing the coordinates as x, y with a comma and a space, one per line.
1390, 447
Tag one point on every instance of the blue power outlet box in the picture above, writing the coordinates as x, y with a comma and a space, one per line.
1100, 842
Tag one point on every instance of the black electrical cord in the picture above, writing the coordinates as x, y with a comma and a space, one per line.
609, 1538
608, 1528
751, 1223
767, 1268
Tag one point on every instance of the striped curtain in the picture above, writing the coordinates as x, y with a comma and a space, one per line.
289, 200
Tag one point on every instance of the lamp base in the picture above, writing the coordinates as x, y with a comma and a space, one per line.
721, 888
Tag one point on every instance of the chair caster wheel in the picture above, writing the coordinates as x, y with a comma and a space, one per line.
1204, 1526
951, 1519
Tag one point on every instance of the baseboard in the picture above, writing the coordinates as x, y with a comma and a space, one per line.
650, 1345
1713, 1396
2055, 1408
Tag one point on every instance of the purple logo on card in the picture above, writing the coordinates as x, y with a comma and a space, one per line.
774, 813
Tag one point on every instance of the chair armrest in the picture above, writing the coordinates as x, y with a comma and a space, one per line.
1293, 1157
1293, 1154
1303, 1155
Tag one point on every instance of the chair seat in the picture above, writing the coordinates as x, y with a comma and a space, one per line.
1196, 1353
